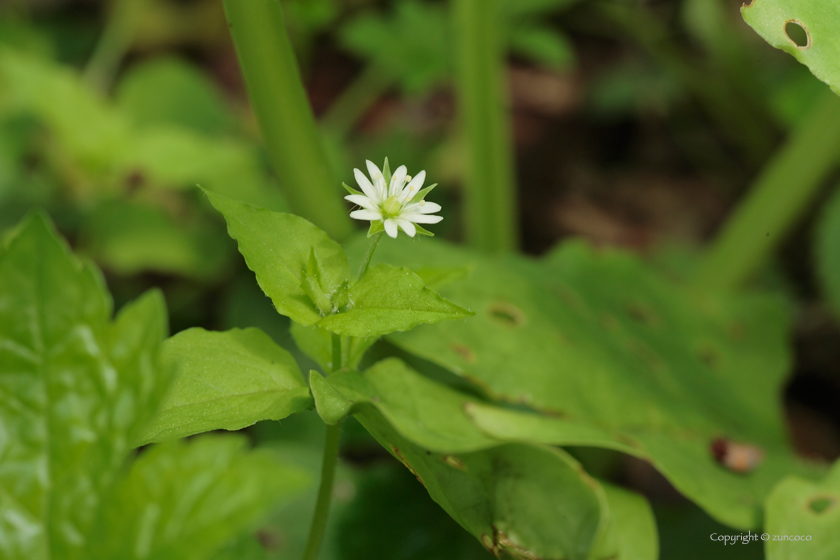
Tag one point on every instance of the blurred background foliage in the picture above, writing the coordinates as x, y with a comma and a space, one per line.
637, 124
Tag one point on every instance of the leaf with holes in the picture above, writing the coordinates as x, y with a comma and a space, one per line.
827, 251
803, 517
78, 389
610, 354
803, 28
225, 381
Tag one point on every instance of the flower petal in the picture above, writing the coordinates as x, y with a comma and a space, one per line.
367, 186
361, 200
378, 179
422, 208
421, 218
406, 226
418, 181
398, 181
371, 215
391, 228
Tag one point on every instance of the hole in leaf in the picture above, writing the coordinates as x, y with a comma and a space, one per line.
798, 34
822, 504
507, 314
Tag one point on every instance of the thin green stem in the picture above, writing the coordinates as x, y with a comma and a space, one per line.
778, 198
374, 242
282, 109
336, 352
114, 43
356, 100
491, 207
322, 505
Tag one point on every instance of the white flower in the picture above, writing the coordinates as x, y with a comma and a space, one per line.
393, 202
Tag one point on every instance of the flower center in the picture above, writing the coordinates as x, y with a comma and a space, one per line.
391, 207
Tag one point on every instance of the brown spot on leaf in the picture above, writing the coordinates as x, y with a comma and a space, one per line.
465, 352
453, 461
507, 314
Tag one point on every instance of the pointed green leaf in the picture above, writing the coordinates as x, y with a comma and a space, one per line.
351, 190
331, 404
76, 388
277, 247
803, 518
390, 299
184, 500
803, 28
226, 380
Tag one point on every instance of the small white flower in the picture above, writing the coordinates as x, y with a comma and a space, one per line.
393, 203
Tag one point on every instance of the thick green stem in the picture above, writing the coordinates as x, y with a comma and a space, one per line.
114, 43
491, 207
778, 198
356, 100
374, 242
282, 109
322, 505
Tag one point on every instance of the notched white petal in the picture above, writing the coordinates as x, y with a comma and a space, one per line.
407, 227
366, 186
361, 200
391, 228
398, 180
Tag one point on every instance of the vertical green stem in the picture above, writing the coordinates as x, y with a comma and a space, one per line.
491, 207
374, 242
328, 464
322, 505
114, 43
282, 109
777, 199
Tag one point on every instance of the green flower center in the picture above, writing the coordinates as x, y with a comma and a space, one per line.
391, 207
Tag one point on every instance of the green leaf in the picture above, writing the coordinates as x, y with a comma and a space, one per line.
427, 413
276, 248
226, 380
808, 514
332, 405
77, 391
390, 299
803, 28
543, 45
827, 251
610, 354
631, 532
184, 500
519, 500
191, 99
244, 547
